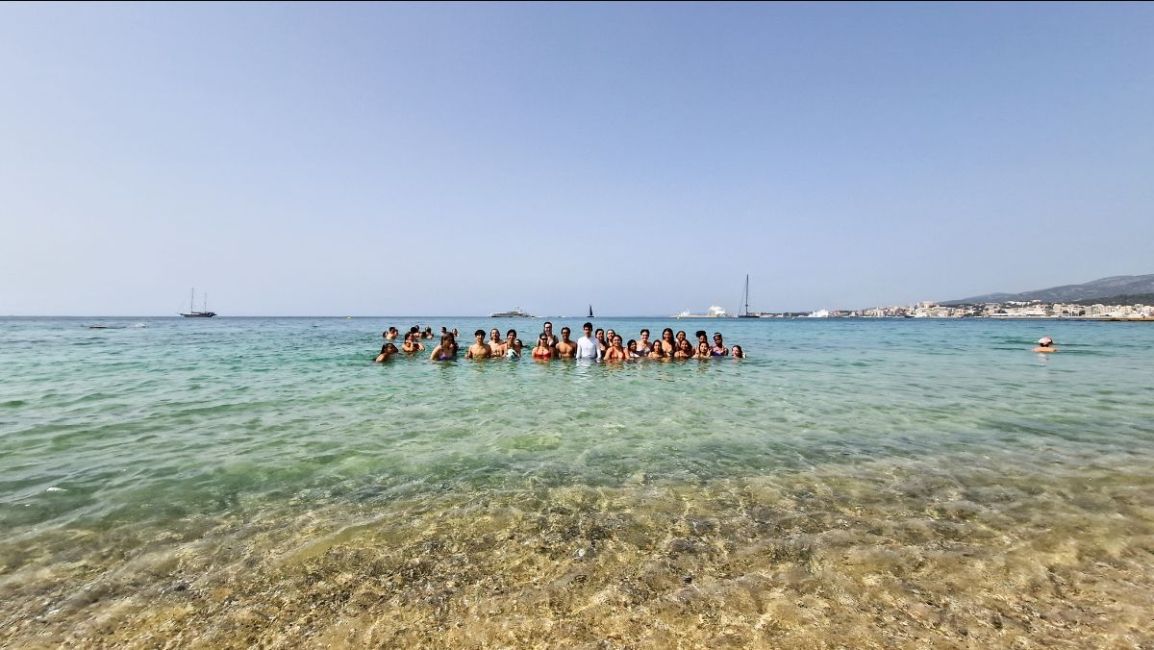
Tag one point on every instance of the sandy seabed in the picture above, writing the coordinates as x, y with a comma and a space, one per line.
890, 557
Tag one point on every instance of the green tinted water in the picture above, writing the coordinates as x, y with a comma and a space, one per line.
187, 439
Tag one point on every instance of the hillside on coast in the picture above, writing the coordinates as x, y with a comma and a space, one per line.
1120, 289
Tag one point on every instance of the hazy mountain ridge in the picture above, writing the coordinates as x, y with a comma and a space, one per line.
1113, 287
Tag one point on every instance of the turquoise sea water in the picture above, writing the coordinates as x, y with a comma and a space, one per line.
167, 433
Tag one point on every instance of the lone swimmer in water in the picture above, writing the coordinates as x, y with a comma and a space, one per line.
1045, 344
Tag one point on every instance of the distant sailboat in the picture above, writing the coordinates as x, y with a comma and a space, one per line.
590, 311
745, 313
192, 313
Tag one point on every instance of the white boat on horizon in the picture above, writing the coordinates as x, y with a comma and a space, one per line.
714, 312
516, 313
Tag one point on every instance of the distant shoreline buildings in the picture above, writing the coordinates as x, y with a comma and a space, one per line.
1034, 309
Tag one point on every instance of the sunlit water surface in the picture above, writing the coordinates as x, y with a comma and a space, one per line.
912, 483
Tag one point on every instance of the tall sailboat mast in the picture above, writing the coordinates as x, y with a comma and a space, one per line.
746, 294
745, 300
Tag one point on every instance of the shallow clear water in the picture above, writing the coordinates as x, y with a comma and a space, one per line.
850, 462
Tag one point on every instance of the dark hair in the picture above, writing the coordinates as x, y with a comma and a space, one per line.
632, 342
700, 333
565, 329
664, 331
589, 325
511, 332
600, 330
717, 335
548, 324
644, 331
414, 328
479, 333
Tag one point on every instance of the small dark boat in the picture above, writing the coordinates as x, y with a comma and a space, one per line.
192, 313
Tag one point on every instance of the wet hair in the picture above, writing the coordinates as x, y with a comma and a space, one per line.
644, 331
548, 324
565, 330
616, 337
392, 348
512, 333
717, 335
480, 333
599, 331
701, 333
631, 345
738, 352
666, 331
682, 333
587, 326
414, 329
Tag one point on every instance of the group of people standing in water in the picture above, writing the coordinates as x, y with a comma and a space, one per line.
593, 345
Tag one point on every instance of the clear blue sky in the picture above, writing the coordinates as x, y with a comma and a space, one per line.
358, 159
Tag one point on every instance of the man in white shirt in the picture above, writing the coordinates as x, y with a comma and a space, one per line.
587, 347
